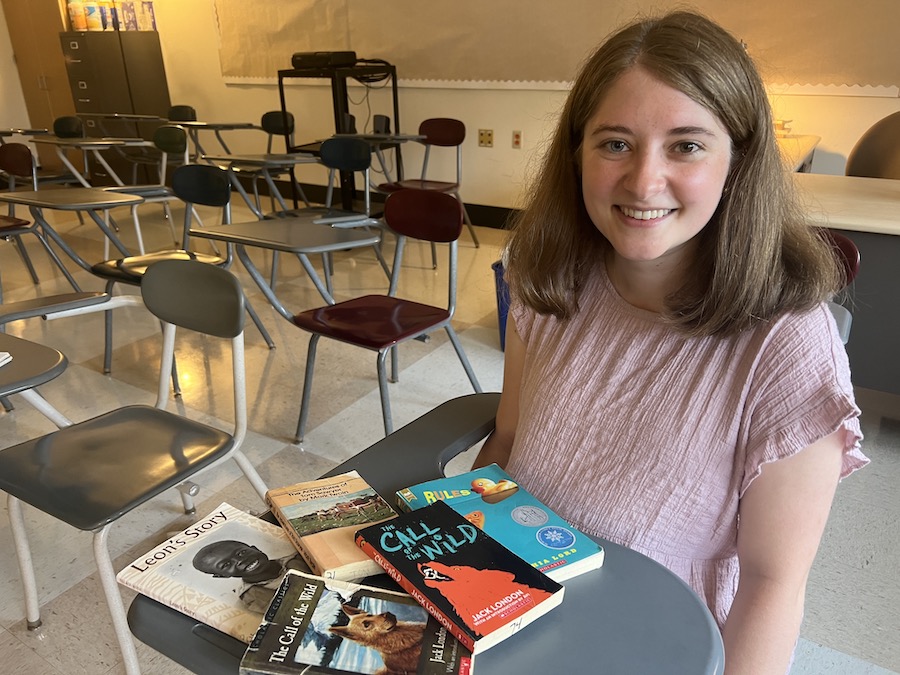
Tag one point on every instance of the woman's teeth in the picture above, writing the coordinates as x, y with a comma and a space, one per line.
645, 215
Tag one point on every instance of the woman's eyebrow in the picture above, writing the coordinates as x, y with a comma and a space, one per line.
609, 128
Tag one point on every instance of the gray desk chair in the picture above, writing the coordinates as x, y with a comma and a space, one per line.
877, 152
91, 473
182, 113
193, 184
381, 322
274, 123
427, 444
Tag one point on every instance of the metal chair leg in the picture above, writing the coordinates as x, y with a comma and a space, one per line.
259, 324
26, 568
457, 345
307, 388
23, 252
383, 393
114, 602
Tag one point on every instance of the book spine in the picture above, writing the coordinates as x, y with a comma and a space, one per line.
416, 593
295, 538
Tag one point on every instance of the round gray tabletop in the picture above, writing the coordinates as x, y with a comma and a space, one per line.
32, 364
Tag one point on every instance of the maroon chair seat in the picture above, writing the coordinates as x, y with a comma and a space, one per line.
380, 322
372, 321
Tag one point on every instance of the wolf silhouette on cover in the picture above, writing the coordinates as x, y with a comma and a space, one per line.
398, 642
471, 591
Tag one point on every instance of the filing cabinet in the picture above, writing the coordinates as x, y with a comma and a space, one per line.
116, 72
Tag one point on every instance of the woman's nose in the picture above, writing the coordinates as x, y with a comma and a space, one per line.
646, 175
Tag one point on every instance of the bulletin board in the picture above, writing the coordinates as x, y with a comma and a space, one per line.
827, 42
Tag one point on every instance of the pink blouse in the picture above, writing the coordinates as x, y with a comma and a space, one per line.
641, 435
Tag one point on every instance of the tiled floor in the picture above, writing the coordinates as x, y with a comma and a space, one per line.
851, 625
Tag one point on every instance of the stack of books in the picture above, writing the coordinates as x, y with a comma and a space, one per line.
477, 558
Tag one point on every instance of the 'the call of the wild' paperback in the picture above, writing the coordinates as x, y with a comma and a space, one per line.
223, 570
317, 625
490, 499
477, 588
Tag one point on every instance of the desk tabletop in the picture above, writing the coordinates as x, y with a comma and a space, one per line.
215, 126
23, 132
89, 142
383, 138
851, 203
71, 199
630, 616
263, 159
298, 234
32, 364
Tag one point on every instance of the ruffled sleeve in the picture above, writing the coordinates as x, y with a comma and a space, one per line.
800, 392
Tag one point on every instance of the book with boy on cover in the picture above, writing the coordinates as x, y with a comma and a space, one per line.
492, 501
321, 518
223, 570
477, 588
331, 626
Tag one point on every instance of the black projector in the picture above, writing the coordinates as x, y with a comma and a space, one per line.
323, 59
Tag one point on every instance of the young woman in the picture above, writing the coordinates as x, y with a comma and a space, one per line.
674, 380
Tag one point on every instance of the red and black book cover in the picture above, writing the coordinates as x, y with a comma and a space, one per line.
477, 588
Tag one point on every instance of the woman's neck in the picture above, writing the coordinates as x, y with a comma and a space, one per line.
645, 284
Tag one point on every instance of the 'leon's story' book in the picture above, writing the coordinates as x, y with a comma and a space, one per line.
223, 570
490, 499
321, 518
477, 588
317, 625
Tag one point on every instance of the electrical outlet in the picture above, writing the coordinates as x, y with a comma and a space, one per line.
517, 140
485, 138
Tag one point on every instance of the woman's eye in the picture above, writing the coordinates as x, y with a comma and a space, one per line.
688, 147
616, 146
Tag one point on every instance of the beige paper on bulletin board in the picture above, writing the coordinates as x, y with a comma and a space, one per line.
822, 42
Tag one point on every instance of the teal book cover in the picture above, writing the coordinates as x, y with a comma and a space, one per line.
492, 501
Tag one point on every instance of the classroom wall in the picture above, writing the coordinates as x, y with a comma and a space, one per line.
492, 176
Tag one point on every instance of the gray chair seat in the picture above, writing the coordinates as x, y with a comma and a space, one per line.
131, 270
148, 449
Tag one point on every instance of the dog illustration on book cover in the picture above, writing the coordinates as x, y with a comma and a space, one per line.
398, 642
482, 598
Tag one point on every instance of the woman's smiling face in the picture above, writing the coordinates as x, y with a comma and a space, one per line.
653, 166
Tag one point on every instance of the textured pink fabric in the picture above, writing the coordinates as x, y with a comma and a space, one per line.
636, 433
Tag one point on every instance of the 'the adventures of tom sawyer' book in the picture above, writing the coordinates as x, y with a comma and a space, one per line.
321, 518
223, 570
477, 588
317, 625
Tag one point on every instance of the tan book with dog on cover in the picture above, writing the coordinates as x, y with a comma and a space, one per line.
321, 518
317, 625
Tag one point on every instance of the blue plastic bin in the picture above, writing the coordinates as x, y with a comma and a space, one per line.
502, 301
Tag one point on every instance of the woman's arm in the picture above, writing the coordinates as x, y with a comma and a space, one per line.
782, 517
499, 444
